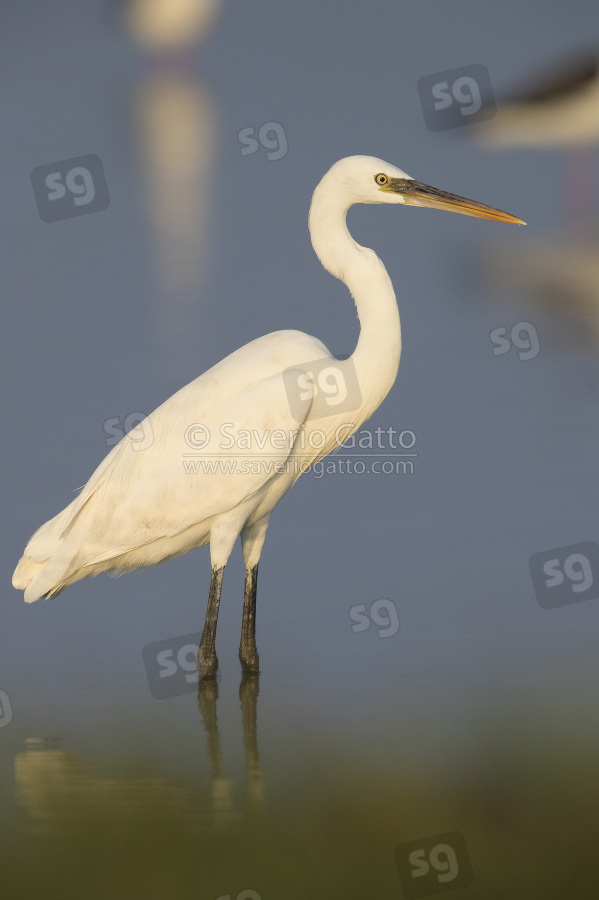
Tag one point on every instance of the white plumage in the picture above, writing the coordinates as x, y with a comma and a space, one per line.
144, 506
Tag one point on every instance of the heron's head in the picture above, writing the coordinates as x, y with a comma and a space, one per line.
365, 179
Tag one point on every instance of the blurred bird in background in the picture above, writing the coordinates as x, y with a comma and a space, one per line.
560, 272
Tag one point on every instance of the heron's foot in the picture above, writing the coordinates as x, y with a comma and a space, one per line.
250, 661
207, 662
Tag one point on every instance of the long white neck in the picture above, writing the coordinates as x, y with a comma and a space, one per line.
376, 357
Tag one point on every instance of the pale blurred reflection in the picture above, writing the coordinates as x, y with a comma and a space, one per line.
169, 24
176, 127
176, 131
52, 783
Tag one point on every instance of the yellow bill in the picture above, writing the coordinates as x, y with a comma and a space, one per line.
417, 194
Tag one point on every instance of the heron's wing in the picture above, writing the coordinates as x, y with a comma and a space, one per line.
142, 491
45, 540
136, 498
179, 485
148, 452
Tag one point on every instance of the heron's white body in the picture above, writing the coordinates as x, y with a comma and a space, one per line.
142, 507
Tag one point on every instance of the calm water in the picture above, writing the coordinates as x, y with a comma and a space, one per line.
425, 719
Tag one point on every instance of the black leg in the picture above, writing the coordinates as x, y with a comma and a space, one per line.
207, 660
248, 653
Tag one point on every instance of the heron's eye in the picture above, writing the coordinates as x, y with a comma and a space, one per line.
381, 179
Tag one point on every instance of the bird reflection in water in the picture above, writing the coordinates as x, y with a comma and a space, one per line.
222, 802
62, 790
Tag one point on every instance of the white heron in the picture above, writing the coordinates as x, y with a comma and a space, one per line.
143, 508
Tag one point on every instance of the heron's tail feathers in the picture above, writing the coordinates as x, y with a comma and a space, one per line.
39, 570
41, 579
25, 572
